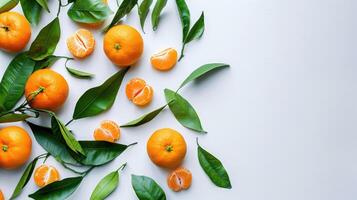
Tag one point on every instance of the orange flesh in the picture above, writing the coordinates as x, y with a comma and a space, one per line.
164, 60
81, 44
108, 131
45, 175
2, 196
138, 92
179, 179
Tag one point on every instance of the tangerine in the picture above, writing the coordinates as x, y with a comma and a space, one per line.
138, 92
45, 174
108, 131
164, 60
179, 179
81, 44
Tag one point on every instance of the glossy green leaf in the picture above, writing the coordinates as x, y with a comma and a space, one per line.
58, 190
106, 186
14, 80
48, 62
79, 74
183, 111
143, 11
201, 71
99, 99
52, 143
89, 11
46, 41
146, 188
13, 117
213, 168
155, 16
26, 175
59, 128
43, 4
184, 16
32, 10
125, 7
145, 118
6, 5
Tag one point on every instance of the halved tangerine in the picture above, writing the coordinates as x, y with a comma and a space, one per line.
81, 44
46, 174
179, 179
164, 60
139, 92
108, 131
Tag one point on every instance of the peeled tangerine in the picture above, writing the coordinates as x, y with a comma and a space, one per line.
138, 92
164, 60
179, 179
81, 44
45, 174
108, 131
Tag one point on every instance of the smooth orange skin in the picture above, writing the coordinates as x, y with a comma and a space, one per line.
109, 131
138, 92
164, 60
2, 196
157, 148
81, 44
123, 45
19, 145
179, 179
43, 172
18, 34
55, 90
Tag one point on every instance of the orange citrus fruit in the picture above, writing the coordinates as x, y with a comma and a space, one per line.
164, 60
15, 147
179, 179
108, 131
51, 87
45, 174
15, 31
2, 196
81, 44
138, 92
166, 148
123, 45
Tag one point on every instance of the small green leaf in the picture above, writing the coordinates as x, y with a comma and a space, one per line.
143, 11
79, 74
48, 62
145, 118
125, 7
14, 79
24, 178
184, 16
6, 5
32, 10
213, 168
201, 71
13, 117
146, 188
155, 16
99, 99
89, 11
59, 128
183, 111
43, 4
46, 41
58, 190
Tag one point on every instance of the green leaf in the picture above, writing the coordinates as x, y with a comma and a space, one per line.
32, 10
125, 7
89, 11
79, 74
155, 16
14, 79
48, 62
213, 168
6, 5
99, 99
145, 118
143, 11
59, 128
13, 117
201, 71
146, 188
184, 16
46, 41
106, 186
43, 4
183, 111
24, 178
52, 143
58, 190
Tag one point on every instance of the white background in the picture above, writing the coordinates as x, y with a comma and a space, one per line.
282, 119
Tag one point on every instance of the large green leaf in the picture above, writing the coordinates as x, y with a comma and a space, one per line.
145, 118
14, 79
155, 16
13, 117
125, 7
43, 4
46, 41
183, 111
48, 61
32, 10
89, 11
143, 11
58, 190
184, 16
6, 5
213, 168
99, 99
146, 188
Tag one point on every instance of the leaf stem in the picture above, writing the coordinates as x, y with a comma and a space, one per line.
182, 52
122, 167
69, 122
132, 144
59, 7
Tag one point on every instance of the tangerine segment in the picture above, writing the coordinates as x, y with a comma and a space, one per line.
144, 97
108, 131
2, 196
133, 87
179, 179
45, 175
164, 60
81, 44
